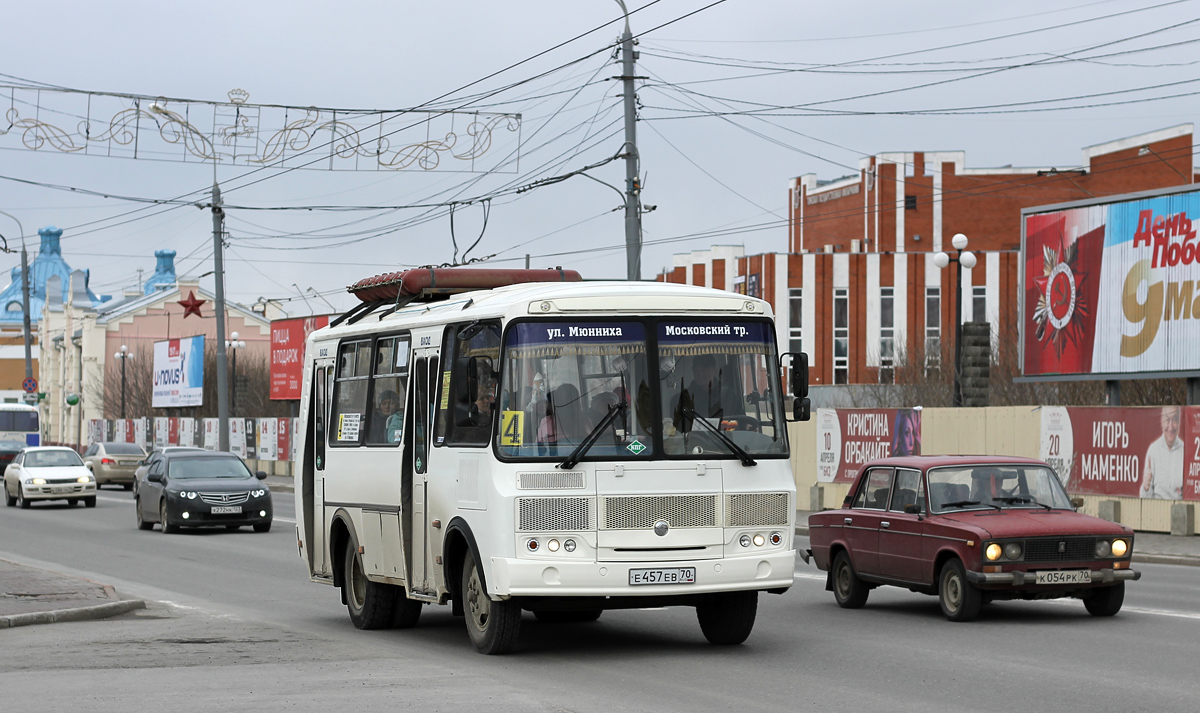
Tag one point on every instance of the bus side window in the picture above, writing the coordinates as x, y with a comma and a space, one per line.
386, 425
320, 409
471, 355
350, 394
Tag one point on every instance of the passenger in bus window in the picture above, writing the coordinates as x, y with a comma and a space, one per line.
388, 421
704, 393
563, 423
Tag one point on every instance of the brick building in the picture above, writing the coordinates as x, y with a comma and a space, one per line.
858, 289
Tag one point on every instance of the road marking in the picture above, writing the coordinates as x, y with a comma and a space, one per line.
809, 575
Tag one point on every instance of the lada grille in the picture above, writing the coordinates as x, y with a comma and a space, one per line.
641, 512
225, 498
1060, 549
756, 509
554, 514
550, 481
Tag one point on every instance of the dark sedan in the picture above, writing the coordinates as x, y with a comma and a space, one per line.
202, 489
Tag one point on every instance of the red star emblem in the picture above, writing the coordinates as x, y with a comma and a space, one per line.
192, 305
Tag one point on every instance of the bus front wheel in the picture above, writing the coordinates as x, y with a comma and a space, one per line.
728, 618
370, 603
492, 625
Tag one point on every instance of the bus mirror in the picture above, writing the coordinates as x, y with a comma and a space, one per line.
799, 374
801, 409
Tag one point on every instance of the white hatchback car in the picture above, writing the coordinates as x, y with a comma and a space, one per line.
48, 473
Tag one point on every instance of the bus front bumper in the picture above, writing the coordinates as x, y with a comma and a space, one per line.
546, 578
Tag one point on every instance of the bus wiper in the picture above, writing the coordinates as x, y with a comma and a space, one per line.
1014, 499
964, 503
742, 455
593, 435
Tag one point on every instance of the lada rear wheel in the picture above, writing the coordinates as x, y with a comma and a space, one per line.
492, 625
727, 619
1106, 601
849, 591
370, 603
959, 598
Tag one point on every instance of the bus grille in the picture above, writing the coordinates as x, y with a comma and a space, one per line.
756, 509
641, 512
550, 481
554, 514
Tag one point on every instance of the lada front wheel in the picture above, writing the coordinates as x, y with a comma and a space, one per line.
370, 603
728, 618
959, 598
1106, 601
492, 625
849, 591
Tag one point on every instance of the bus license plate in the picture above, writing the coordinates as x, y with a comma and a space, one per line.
1075, 576
226, 509
671, 575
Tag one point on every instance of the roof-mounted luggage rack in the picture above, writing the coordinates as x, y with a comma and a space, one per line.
397, 289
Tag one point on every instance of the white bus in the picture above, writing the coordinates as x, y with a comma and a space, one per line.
519, 440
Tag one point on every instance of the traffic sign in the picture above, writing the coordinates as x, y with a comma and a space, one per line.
29, 384
31, 399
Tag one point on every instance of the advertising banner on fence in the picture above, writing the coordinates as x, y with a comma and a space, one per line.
179, 372
268, 439
187, 431
1147, 319
1124, 452
287, 354
160, 432
847, 438
212, 438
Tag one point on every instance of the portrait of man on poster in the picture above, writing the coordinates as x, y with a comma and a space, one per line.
1162, 471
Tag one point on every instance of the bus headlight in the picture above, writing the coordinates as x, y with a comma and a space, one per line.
759, 540
744, 540
569, 545
552, 545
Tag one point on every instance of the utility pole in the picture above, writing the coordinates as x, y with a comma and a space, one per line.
219, 276
633, 188
25, 276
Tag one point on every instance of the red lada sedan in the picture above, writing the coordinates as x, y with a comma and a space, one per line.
969, 529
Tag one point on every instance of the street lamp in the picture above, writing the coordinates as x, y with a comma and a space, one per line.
124, 356
24, 302
963, 258
232, 346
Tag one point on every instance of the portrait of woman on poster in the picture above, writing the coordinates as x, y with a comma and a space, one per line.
906, 436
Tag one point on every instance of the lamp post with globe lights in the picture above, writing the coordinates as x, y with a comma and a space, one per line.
124, 356
962, 258
233, 345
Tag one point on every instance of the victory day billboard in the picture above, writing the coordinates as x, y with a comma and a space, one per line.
179, 373
847, 438
1112, 288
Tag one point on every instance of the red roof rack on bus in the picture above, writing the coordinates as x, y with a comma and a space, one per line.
400, 288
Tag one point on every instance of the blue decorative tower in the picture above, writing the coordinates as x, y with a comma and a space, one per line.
164, 273
49, 262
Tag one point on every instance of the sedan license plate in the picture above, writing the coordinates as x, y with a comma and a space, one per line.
1074, 576
226, 509
670, 575
63, 489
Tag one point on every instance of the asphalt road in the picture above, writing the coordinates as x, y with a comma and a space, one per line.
241, 625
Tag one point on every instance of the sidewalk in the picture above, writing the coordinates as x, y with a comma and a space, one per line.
1148, 547
280, 483
29, 595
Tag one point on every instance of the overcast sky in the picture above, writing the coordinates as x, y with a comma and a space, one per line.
849, 78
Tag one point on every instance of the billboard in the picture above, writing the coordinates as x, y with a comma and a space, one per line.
179, 372
848, 438
1124, 452
287, 354
1112, 288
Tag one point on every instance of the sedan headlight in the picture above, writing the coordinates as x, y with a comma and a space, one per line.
84, 479
187, 494
257, 493
36, 481
1120, 548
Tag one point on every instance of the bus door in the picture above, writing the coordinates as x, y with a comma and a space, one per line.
313, 481
418, 550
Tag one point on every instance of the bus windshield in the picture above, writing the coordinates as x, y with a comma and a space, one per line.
564, 381
560, 381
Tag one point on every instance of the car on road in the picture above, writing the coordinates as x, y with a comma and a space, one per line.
198, 488
113, 462
48, 473
970, 530
139, 475
9, 448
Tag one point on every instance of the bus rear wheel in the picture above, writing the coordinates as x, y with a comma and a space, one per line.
728, 618
370, 603
492, 625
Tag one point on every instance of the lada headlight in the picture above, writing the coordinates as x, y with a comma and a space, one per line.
1103, 548
1120, 548
1013, 550
993, 552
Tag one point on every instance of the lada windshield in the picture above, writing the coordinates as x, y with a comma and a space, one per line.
724, 373
976, 487
560, 380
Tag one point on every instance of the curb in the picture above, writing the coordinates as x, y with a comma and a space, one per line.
1141, 558
100, 611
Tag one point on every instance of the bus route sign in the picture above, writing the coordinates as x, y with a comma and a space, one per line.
29, 384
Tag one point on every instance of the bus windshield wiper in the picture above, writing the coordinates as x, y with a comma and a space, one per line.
593, 435
742, 455
1014, 499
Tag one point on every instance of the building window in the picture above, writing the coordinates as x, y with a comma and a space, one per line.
752, 285
979, 303
910, 202
795, 320
887, 335
841, 336
933, 327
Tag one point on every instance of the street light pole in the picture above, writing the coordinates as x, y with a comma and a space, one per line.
633, 189
233, 346
123, 355
25, 299
962, 258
